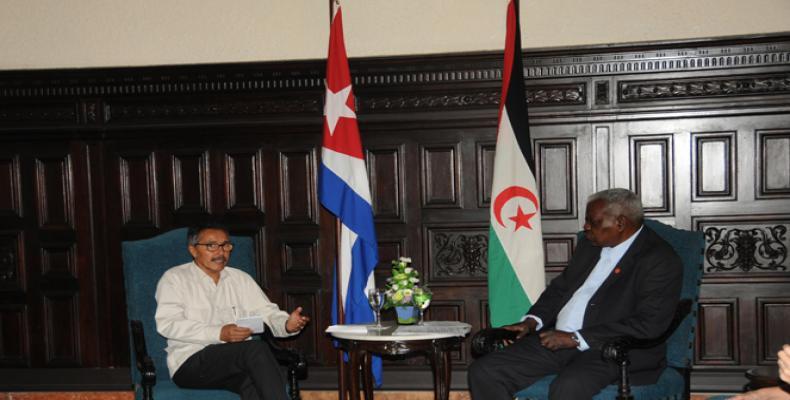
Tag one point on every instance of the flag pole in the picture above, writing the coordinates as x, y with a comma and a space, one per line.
341, 364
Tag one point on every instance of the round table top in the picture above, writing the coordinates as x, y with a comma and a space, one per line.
430, 330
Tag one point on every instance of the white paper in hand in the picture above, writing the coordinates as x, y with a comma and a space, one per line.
255, 323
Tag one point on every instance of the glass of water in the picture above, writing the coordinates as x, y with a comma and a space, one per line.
376, 301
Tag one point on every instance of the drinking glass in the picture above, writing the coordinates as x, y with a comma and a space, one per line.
376, 301
426, 301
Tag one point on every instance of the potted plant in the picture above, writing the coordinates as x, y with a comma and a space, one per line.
403, 291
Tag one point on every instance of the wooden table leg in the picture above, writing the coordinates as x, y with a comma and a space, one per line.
367, 375
440, 360
353, 386
342, 377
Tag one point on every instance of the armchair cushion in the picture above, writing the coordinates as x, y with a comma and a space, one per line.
669, 387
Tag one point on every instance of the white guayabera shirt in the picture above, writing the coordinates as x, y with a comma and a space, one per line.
191, 309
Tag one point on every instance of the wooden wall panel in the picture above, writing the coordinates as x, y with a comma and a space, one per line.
139, 190
10, 187
717, 335
441, 176
54, 192
300, 256
191, 182
773, 164
773, 323
386, 181
556, 161
713, 172
651, 175
485, 172
244, 177
456, 254
298, 183
14, 337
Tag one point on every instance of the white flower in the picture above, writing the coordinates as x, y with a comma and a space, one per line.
394, 286
408, 292
405, 259
408, 270
414, 280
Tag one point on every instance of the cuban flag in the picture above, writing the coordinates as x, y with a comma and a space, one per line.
344, 189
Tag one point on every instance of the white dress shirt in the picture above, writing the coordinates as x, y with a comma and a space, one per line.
191, 309
571, 316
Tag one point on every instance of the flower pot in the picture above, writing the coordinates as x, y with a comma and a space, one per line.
407, 315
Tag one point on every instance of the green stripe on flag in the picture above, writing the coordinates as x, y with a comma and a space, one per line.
507, 300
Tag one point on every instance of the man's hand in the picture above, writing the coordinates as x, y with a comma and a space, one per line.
232, 333
296, 321
555, 340
784, 363
769, 393
522, 328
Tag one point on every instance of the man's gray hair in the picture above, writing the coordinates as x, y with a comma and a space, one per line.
621, 202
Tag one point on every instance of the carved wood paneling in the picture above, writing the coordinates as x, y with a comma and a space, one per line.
441, 176
10, 189
745, 244
556, 162
191, 182
651, 176
139, 189
675, 89
456, 254
717, 334
298, 182
244, 177
386, 182
55, 191
773, 324
713, 158
485, 154
773, 164
14, 337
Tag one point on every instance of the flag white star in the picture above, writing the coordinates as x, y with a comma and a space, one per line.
335, 107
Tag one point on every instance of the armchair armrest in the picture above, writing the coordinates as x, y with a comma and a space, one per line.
144, 362
293, 358
490, 339
616, 349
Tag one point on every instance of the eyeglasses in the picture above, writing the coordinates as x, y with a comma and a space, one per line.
227, 246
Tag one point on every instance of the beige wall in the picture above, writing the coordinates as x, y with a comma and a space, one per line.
85, 33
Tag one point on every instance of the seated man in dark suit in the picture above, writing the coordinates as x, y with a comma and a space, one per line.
624, 280
198, 304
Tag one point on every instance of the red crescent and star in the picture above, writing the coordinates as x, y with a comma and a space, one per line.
521, 219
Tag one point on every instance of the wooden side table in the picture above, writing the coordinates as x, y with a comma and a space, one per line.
436, 346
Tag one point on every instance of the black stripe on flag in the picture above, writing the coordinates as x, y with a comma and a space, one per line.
516, 102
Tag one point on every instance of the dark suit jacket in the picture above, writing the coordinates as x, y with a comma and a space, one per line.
639, 301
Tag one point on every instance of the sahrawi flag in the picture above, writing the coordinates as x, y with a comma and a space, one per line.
515, 246
344, 189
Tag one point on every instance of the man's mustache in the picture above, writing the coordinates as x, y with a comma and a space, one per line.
219, 259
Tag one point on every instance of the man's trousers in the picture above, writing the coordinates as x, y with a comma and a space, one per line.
247, 368
498, 375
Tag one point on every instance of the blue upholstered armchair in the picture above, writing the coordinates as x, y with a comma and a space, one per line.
673, 384
144, 262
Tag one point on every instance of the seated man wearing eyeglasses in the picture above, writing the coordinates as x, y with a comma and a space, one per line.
198, 304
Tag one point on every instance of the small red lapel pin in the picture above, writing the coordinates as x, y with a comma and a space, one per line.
617, 270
